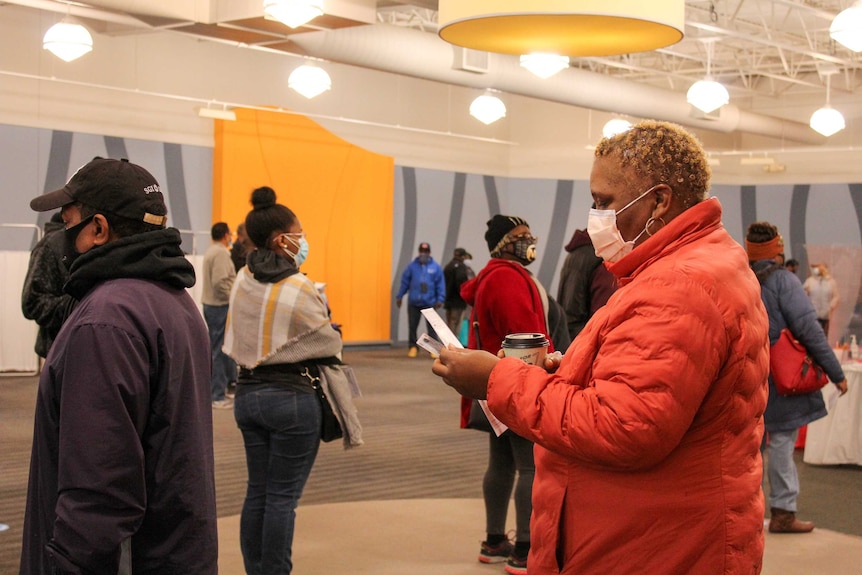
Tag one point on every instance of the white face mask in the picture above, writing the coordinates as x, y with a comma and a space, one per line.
815, 272
607, 240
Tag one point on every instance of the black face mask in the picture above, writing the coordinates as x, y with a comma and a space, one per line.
70, 253
524, 250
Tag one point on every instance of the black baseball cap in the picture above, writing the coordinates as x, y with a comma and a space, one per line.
114, 186
462, 253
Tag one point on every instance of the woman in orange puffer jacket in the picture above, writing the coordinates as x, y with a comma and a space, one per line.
648, 433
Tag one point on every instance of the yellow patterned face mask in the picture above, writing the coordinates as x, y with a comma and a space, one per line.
523, 248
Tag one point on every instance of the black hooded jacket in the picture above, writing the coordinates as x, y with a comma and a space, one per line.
585, 284
42, 298
122, 446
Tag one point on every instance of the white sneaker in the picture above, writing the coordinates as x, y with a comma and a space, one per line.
225, 403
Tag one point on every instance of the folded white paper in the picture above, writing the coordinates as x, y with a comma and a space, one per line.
447, 337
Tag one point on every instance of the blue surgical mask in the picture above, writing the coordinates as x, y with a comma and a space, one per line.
302, 254
302, 248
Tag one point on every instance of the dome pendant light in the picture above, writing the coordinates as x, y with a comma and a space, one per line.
488, 108
615, 126
67, 40
846, 28
293, 13
310, 81
827, 120
707, 95
544, 65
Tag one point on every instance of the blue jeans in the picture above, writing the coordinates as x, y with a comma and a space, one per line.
281, 432
781, 469
224, 368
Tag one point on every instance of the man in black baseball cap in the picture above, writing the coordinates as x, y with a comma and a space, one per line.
120, 191
115, 186
122, 442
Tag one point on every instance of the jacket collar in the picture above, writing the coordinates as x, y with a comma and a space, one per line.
693, 223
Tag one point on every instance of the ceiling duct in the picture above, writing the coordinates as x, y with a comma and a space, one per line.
422, 55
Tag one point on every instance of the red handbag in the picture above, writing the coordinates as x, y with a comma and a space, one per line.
793, 370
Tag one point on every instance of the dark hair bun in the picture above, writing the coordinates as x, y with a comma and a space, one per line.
263, 197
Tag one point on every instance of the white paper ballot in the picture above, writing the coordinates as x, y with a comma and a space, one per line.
444, 334
446, 337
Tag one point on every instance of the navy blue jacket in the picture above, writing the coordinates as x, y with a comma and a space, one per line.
122, 443
423, 283
787, 305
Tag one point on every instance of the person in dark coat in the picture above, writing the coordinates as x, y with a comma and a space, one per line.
455, 274
241, 247
787, 306
121, 471
585, 284
42, 298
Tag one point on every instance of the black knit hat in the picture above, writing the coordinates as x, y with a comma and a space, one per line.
499, 226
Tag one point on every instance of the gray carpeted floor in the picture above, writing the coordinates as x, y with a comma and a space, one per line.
414, 450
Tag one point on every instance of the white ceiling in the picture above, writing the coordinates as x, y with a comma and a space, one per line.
772, 55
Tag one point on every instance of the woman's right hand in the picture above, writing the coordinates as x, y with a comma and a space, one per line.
842, 386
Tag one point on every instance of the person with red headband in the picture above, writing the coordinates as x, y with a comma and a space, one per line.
788, 306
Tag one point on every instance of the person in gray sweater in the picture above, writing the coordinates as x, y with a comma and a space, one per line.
219, 274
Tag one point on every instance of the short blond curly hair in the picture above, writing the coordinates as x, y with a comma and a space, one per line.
662, 153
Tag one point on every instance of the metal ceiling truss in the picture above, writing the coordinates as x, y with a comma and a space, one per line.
766, 48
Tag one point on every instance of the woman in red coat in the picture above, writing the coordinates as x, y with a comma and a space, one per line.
506, 299
647, 435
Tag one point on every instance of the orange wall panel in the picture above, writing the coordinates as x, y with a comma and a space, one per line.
341, 194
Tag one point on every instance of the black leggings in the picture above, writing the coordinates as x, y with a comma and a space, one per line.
507, 454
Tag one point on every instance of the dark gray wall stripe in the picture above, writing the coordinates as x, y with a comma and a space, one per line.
491, 196
408, 241
177, 194
748, 206
796, 238
550, 246
55, 175
116, 148
856, 198
456, 212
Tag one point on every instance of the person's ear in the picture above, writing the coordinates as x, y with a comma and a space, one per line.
101, 230
663, 201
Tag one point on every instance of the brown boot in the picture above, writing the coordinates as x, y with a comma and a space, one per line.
786, 522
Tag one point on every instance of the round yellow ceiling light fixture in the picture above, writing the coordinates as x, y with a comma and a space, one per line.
566, 27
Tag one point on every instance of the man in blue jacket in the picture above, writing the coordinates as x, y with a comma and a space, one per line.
424, 283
